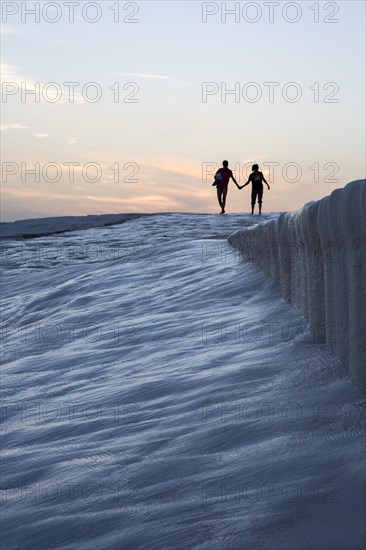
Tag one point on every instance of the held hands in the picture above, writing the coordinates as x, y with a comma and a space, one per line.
241, 186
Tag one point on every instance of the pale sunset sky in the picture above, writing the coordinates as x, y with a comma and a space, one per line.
160, 107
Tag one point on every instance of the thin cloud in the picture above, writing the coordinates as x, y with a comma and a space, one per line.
41, 136
173, 165
6, 30
12, 127
9, 74
157, 77
144, 75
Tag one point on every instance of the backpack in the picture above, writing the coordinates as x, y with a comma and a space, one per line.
218, 179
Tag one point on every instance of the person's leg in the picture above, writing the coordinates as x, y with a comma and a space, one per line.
253, 199
260, 195
224, 193
219, 194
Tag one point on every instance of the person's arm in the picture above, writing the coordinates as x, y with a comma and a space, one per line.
247, 183
265, 181
231, 177
234, 180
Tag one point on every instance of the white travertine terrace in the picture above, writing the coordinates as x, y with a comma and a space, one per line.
318, 257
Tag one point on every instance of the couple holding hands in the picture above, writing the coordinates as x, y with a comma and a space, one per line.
222, 178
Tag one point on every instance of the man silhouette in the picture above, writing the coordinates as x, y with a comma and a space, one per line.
257, 179
222, 178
